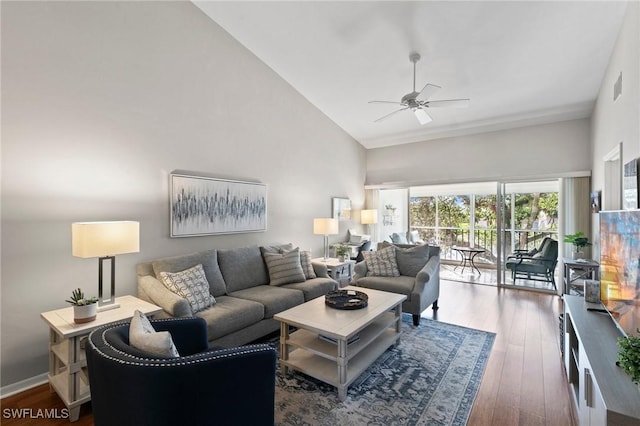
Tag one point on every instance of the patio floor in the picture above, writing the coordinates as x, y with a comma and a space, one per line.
488, 276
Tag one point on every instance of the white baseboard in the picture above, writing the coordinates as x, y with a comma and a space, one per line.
23, 385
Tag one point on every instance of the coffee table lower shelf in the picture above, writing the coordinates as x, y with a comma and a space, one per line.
320, 359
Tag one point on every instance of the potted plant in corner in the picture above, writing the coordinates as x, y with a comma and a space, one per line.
579, 241
84, 309
629, 357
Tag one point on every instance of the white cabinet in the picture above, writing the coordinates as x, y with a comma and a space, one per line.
602, 393
67, 360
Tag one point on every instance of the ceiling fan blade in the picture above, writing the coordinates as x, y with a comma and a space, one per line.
422, 116
427, 91
460, 103
385, 102
389, 115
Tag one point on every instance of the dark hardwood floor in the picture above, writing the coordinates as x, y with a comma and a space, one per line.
524, 382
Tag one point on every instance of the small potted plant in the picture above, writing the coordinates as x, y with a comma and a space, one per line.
579, 241
629, 357
84, 309
342, 252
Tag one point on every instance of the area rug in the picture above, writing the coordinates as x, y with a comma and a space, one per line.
430, 378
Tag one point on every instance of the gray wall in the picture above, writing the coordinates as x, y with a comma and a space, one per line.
615, 122
548, 150
100, 102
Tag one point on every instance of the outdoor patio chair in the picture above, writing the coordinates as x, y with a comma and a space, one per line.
536, 265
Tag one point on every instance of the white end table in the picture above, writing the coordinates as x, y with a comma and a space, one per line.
67, 360
336, 267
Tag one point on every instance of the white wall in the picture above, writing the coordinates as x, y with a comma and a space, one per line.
100, 101
615, 122
548, 150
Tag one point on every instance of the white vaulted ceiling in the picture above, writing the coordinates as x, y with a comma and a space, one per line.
519, 62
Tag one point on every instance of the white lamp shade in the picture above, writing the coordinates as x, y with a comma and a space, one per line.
99, 239
325, 226
369, 217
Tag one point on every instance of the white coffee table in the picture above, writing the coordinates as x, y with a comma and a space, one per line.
377, 327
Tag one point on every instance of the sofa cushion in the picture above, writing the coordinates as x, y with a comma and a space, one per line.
144, 337
242, 268
207, 258
400, 285
307, 266
412, 260
230, 314
190, 284
278, 248
382, 263
284, 268
314, 287
274, 299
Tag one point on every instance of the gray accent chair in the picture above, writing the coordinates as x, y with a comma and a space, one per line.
419, 278
536, 265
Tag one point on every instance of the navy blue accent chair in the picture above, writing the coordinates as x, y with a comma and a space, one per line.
202, 387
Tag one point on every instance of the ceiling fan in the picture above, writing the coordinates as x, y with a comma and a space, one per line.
418, 101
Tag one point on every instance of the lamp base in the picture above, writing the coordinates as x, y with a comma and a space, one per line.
108, 307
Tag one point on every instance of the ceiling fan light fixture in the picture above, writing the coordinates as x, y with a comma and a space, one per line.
422, 116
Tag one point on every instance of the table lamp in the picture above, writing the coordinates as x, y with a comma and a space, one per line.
369, 217
104, 240
326, 227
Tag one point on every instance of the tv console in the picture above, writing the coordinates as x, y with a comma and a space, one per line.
602, 393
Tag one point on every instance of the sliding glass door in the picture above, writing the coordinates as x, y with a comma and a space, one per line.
528, 213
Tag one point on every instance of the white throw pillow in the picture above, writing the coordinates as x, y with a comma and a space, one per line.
190, 284
144, 337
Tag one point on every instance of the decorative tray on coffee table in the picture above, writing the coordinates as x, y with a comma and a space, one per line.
346, 299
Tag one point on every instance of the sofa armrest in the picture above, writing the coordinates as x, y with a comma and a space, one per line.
430, 269
161, 296
360, 270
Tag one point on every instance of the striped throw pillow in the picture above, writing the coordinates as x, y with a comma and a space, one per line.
284, 268
190, 284
382, 263
307, 267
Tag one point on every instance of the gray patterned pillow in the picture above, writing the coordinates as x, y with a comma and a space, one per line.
284, 268
307, 267
382, 263
190, 284
144, 337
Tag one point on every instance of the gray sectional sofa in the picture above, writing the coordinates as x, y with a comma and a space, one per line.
239, 281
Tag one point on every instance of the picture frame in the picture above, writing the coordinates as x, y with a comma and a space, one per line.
201, 205
630, 185
596, 201
341, 208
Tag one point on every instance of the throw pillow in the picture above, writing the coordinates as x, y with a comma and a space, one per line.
382, 263
284, 268
144, 337
307, 267
397, 238
412, 260
190, 284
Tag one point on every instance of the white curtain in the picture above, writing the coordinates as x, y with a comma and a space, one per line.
575, 211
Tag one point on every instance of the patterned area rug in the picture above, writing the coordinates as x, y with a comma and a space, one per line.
430, 378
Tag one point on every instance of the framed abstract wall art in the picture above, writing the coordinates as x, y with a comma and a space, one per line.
209, 206
341, 208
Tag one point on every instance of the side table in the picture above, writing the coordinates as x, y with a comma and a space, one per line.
67, 360
576, 271
337, 268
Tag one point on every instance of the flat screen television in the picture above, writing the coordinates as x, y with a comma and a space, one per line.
620, 268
